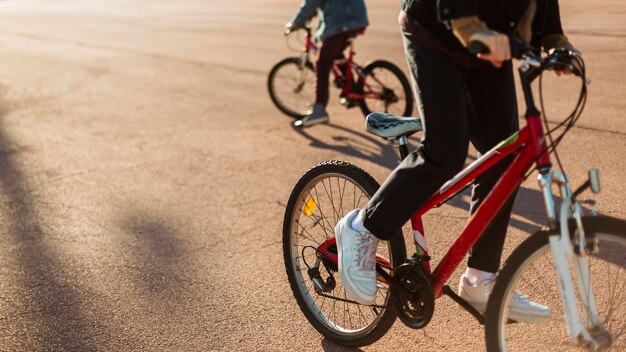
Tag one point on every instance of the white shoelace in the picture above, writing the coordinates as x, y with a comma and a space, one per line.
365, 256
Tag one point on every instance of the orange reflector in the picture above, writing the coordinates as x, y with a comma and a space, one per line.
309, 207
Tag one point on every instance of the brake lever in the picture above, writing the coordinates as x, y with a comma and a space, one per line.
574, 70
560, 62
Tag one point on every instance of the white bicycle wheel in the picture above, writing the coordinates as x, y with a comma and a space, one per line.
530, 271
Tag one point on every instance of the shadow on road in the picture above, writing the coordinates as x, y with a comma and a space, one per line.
530, 222
157, 253
358, 145
47, 296
329, 346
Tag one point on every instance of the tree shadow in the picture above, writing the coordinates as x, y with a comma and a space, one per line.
48, 296
158, 254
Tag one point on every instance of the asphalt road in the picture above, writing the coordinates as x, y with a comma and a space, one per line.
144, 172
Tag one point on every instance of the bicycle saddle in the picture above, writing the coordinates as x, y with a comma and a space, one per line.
391, 126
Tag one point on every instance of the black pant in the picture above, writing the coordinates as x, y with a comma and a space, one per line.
332, 49
457, 105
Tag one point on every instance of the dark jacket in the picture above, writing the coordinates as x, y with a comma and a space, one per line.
337, 16
499, 15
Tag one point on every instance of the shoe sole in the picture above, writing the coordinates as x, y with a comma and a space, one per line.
518, 317
301, 124
531, 319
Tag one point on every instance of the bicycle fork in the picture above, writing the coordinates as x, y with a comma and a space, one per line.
563, 246
302, 61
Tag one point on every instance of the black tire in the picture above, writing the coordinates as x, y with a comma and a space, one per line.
286, 93
606, 268
396, 86
345, 182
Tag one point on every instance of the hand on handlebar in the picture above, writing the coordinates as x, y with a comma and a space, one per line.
290, 27
498, 45
564, 61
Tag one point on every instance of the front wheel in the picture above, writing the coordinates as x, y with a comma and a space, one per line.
291, 84
385, 89
529, 270
322, 196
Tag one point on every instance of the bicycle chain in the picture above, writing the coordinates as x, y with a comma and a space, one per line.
349, 301
331, 272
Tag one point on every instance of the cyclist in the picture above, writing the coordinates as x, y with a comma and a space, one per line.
340, 21
460, 99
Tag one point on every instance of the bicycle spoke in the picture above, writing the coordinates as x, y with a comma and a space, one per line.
319, 205
341, 193
292, 87
332, 201
536, 278
317, 220
324, 217
385, 91
310, 236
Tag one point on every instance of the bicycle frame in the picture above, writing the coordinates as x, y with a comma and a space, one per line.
523, 150
526, 146
353, 70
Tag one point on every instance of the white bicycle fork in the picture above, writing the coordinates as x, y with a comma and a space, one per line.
590, 334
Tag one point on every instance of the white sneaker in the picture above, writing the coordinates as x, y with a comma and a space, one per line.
317, 115
522, 309
357, 260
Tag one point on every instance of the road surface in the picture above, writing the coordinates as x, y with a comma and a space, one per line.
144, 172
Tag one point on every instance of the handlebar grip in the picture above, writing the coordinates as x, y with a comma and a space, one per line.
518, 48
476, 47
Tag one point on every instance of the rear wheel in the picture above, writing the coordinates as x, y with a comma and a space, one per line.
291, 85
320, 199
530, 271
391, 87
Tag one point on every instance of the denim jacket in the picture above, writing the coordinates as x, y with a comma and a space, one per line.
336, 16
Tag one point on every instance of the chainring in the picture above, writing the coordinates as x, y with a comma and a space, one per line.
415, 299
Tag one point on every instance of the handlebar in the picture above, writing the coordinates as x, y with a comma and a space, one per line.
559, 60
477, 47
519, 48
291, 29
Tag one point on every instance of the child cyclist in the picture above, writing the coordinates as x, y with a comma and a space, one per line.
460, 99
340, 20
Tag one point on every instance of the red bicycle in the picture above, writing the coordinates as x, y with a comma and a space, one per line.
588, 310
379, 86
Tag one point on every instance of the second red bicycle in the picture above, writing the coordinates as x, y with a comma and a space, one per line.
379, 86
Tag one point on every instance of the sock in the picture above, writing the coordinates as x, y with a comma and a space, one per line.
475, 276
357, 222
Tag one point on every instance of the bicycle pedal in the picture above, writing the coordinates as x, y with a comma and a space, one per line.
348, 103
